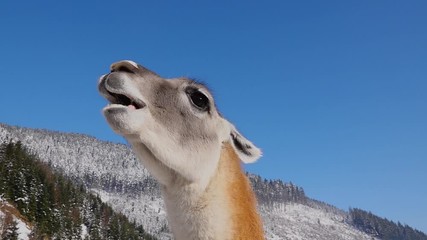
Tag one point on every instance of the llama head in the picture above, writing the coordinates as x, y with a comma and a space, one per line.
172, 124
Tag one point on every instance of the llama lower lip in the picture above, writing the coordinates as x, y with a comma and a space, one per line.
113, 109
116, 108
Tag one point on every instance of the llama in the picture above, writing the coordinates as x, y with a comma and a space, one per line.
194, 153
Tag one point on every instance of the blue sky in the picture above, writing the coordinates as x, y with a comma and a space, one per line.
334, 92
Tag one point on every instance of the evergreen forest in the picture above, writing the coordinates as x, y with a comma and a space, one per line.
383, 228
52, 205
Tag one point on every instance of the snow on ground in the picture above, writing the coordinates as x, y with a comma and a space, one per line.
23, 230
84, 231
145, 210
298, 222
103, 195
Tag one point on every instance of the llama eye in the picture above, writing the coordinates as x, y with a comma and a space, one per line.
199, 100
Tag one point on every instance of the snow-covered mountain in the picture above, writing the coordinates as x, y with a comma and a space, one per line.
112, 171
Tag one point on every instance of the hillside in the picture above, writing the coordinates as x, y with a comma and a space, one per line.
12, 224
112, 172
50, 206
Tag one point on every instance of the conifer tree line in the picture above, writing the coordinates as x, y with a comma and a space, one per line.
383, 228
271, 191
53, 205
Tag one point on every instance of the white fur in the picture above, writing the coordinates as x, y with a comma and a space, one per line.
164, 148
210, 220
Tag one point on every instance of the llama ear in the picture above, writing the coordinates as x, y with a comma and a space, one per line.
246, 150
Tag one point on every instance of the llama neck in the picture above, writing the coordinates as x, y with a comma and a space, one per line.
226, 209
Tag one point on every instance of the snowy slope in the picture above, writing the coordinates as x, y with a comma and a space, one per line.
298, 221
23, 229
112, 171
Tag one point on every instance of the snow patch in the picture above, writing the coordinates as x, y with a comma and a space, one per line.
84, 231
23, 230
104, 196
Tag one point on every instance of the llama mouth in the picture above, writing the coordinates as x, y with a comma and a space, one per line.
117, 96
124, 100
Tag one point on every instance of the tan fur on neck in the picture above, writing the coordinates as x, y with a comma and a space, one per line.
246, 223
225, 210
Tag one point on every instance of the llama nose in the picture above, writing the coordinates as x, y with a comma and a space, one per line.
124, 66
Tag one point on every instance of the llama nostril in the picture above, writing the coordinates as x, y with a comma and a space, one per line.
123, 69
124, 66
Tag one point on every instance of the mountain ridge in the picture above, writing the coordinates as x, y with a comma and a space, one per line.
113, 172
